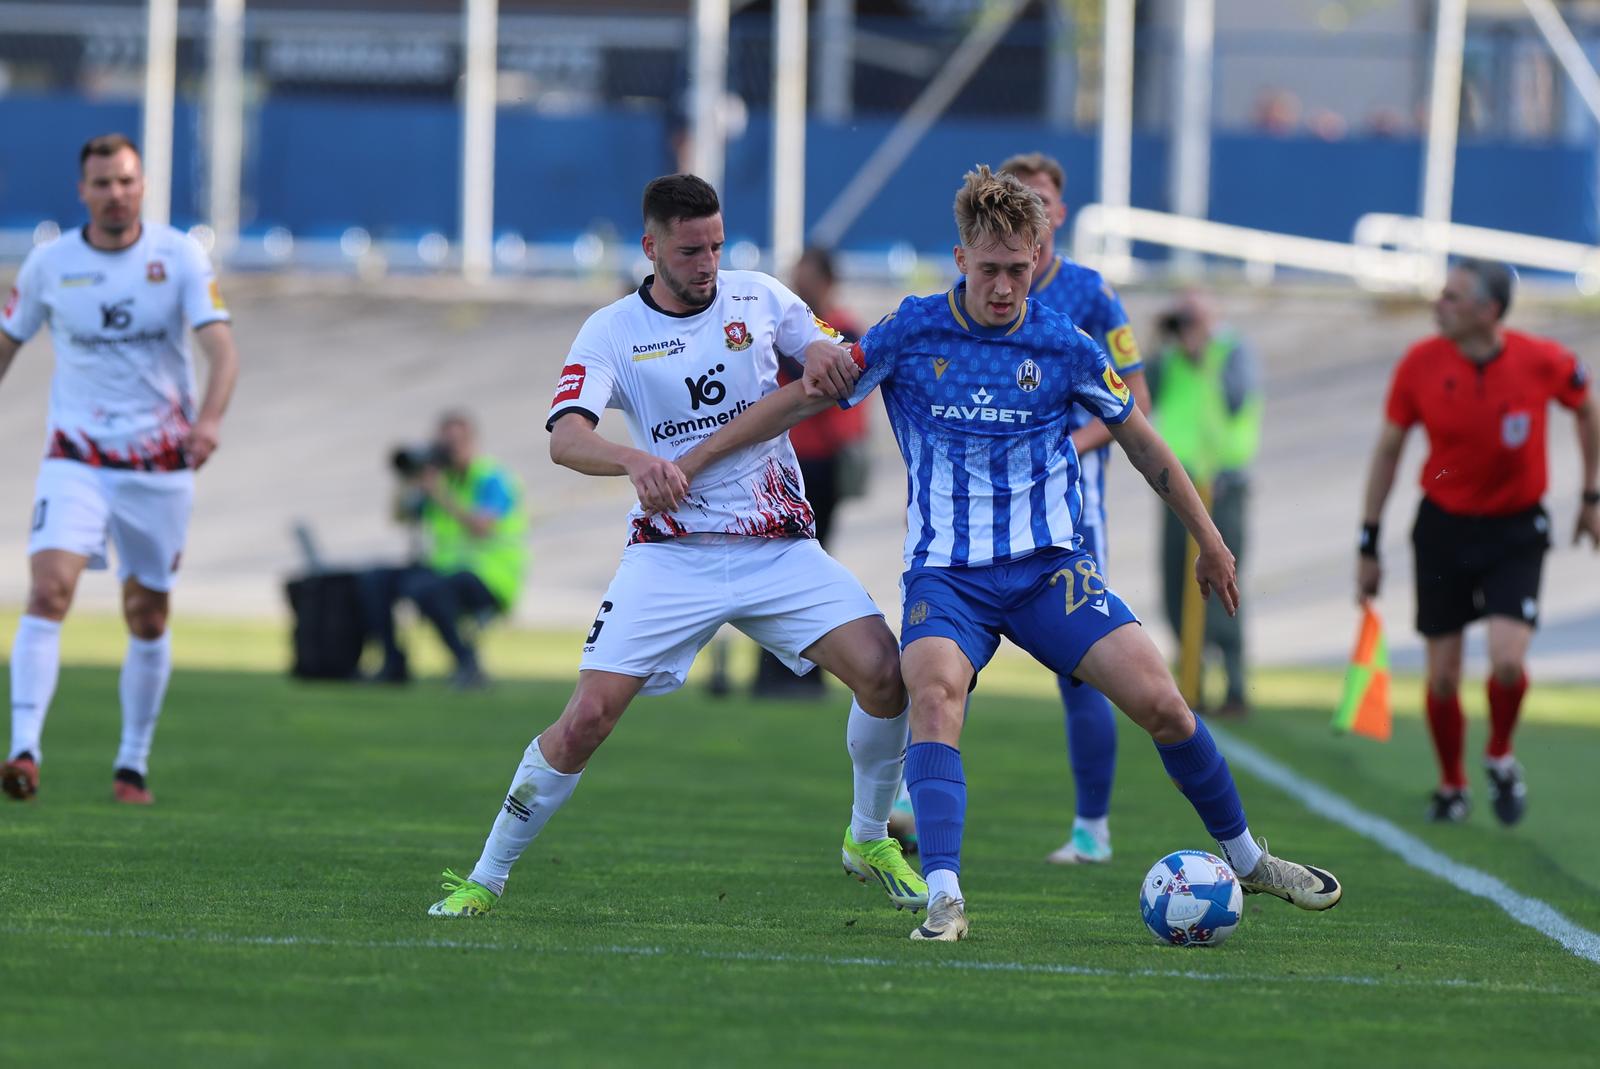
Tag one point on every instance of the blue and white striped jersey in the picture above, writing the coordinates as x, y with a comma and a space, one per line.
1089, 301
981, 417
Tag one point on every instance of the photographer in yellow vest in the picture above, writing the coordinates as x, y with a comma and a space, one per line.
473, 525
1206, 389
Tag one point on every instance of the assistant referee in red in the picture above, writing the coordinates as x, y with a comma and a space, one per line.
1480, 392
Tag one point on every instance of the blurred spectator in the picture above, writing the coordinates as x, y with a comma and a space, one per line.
469, 508
1387, 122
1277, 112
1326, 124
831, 447
1206, 389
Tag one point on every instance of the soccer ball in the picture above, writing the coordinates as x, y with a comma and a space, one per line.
1191, 899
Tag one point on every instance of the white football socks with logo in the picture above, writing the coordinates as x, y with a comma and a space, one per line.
878, 756
35, 667
145, 671
537, 791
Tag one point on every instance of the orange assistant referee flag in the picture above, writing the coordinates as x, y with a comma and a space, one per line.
1365, 707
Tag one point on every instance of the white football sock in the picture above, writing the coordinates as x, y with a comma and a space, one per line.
1099, 827
878, 755
537, 791
943, 882
1243, 853
35, 667
145, 671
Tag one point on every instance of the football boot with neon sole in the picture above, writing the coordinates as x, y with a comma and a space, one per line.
464, 898
19, 778
882, 861
1297, 884
1082, 849
946, 923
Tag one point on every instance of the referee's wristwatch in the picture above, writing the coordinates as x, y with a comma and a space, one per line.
1591, 498
1368, 546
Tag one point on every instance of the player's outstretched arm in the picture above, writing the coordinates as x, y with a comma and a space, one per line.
1380, 480
764, 420
1093, 435
1150, 455
222, 359
1588, 420
575, 444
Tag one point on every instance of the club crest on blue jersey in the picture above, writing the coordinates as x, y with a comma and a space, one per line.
1028, 376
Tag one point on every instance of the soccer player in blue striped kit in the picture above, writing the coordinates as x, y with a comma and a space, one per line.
979, 383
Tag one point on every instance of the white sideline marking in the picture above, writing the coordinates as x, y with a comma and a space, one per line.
761, 958
1535, 913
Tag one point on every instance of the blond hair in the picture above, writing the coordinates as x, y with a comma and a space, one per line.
998, 207
1029, 164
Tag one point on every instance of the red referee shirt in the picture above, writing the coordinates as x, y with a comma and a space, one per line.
1485, 422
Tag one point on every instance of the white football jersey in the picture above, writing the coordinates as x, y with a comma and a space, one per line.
123, 392
678, 378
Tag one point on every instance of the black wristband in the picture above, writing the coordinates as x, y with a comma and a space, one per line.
1368, 546
1591, 497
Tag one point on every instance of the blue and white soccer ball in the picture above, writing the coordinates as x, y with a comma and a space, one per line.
1191, 899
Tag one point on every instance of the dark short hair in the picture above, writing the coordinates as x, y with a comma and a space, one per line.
1029, 164
105, 145
821, 260
1496, 280
458, 416
679, 196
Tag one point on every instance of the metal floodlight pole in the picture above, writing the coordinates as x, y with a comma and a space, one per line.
708, 86
1568, 52
225, 123
1444, 118
477, 139
892, 151
1191, 170
1116, 129
160, 75
836, 60
788, 133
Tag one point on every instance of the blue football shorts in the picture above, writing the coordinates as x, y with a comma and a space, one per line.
1053, 603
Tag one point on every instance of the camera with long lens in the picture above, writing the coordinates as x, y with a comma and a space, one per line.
411, 460
1172, 324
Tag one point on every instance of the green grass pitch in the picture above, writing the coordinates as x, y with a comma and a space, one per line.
687, 907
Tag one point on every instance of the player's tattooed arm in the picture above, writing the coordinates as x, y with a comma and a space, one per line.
1151, 457
762, 421
575, 444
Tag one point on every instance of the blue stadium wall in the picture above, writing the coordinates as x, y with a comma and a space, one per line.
319, 166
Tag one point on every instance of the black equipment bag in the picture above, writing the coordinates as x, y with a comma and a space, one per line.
328, 629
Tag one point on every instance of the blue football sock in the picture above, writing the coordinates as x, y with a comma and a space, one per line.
1203, 777
1091, 746
939, 799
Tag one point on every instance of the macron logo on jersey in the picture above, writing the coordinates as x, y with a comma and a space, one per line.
981, 411
570, 385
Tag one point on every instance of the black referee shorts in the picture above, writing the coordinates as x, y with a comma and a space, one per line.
1468, 567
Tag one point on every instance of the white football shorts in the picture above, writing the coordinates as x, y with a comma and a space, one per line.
669, 598
144, 513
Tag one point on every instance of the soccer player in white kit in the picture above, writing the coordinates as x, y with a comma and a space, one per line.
124, 440
692, 348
